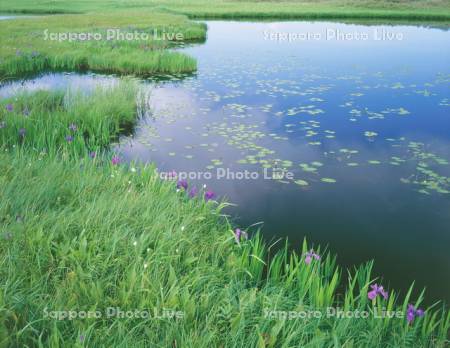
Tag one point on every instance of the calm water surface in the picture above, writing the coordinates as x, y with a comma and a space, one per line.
363, 127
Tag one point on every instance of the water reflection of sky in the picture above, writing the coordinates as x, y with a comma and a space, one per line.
397, 90
8, 17
59, 81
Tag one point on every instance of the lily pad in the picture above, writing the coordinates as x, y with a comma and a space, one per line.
328, 180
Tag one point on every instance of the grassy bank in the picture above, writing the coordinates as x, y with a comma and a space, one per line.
74, 123
86, 235
256, 9
82, 232
32, 45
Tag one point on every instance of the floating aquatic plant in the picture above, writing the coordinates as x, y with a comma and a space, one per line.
370, 134
328, 180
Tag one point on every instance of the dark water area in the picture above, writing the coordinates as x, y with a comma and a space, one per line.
344, 138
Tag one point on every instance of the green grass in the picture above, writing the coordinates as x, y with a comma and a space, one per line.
26, 50
368, 9
333, 9
47, 119
79, 233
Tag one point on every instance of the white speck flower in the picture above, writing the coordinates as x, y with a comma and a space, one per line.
148, 250
204, 186
182, 228
134, 243
145, 265
133, 169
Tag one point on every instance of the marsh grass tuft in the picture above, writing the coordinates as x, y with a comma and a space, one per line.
73, 122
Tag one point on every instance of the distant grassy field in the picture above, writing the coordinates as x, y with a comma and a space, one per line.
30, 45
385, 9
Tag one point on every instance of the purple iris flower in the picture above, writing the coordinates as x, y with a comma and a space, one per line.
73, 127
238, 234
209, 195
69, 138
18, 52
81, 338
26, 112
411, 313
2, 124
377, 290
193, 192
34, 54
9, 107
22, 132
309, 255
172, 175
182, 184
115, 160
92, 154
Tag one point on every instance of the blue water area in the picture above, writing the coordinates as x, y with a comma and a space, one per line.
4, 17
340, 134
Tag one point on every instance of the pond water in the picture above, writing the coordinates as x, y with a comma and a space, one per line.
342, 133
7, 16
